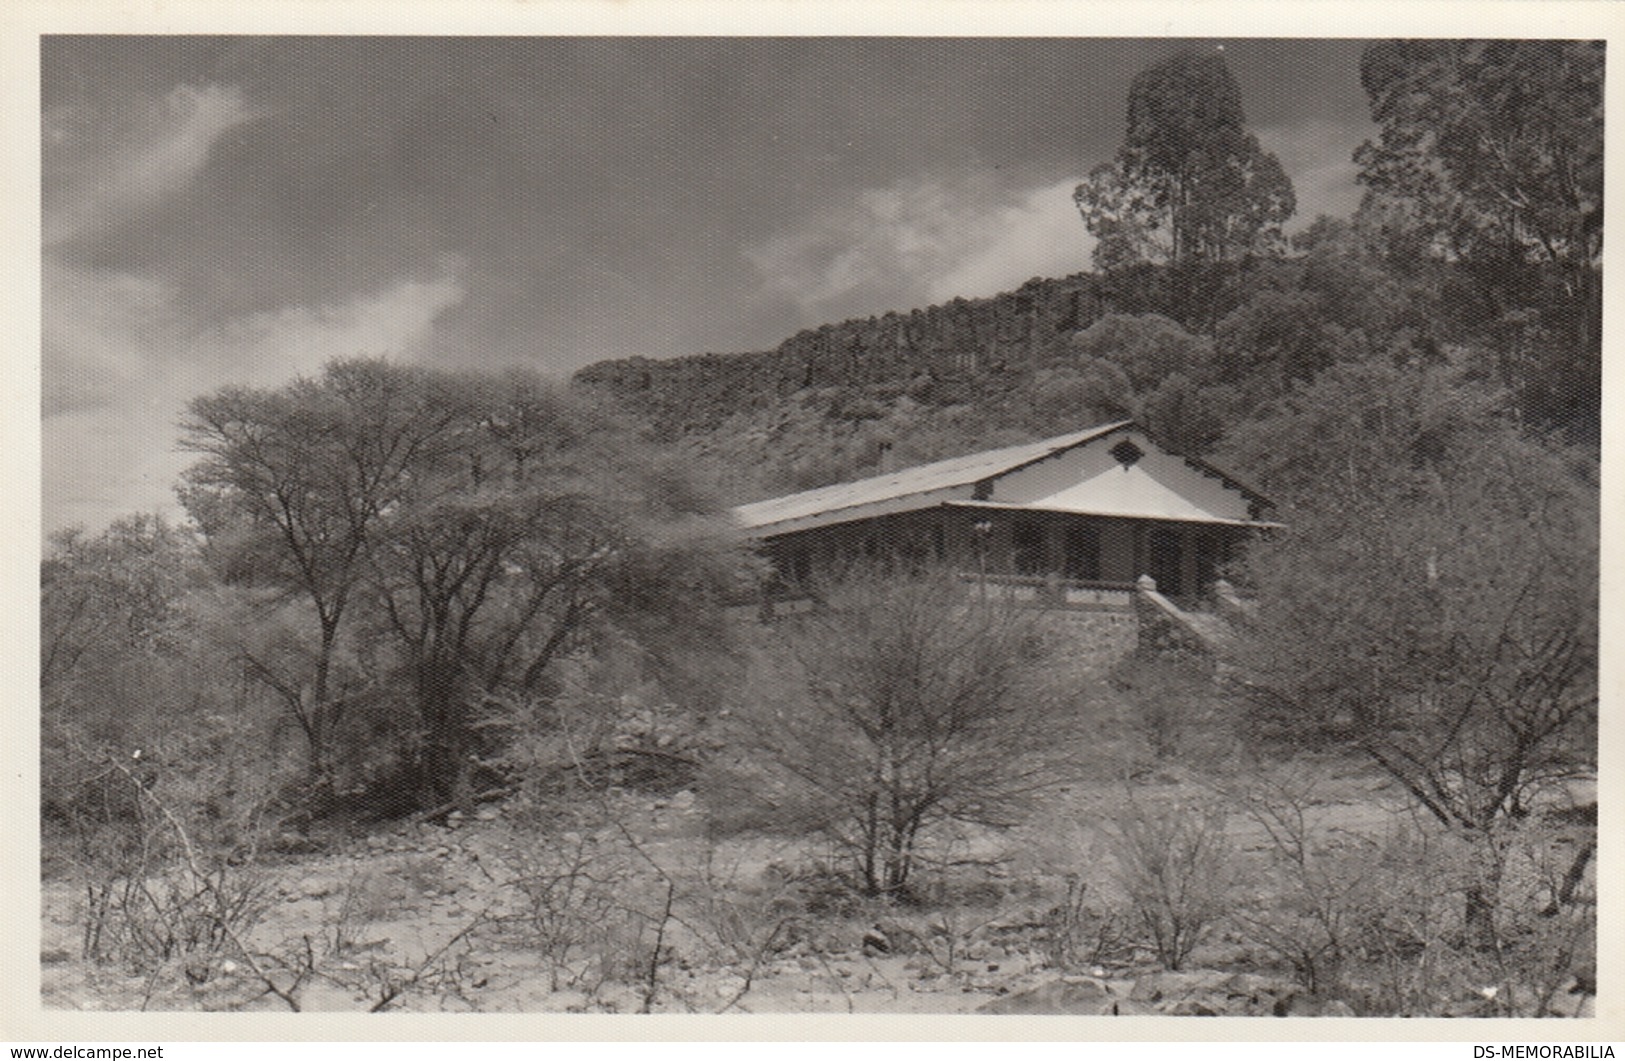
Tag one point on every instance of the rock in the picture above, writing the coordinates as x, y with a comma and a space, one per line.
312, 888
293, 844
1057, 997
1308, 1005
1194, 1007
875, 941
54, 956
1261, 993
228, 967
487, 814
1212, 992
1156, 987
1127, 1007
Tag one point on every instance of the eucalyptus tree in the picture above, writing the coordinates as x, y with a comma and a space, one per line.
1189, 183
1490, 157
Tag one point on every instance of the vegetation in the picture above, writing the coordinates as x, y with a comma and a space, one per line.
900, 708
1189, 183
458, 537
477, 626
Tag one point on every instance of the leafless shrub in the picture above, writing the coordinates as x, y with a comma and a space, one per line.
1176, 866
1316, 893
1079, 936
152, 896
567, 887
903, 707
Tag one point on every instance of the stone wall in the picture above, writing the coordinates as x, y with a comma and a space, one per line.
1088, 644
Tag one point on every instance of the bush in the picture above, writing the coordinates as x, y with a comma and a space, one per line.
1177, 866
901, 706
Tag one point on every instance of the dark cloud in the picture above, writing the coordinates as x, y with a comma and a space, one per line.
557, 200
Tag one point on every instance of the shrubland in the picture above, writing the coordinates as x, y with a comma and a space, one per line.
433, 699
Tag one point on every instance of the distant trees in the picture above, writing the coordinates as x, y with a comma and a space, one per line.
463, 533
1189, 183
902, 706
1147, 348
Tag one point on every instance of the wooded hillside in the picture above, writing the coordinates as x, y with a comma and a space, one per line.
1477, 245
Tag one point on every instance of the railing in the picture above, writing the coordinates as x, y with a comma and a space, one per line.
1038, 591
1051, 591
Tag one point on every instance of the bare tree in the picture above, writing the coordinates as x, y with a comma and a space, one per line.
904, 704
1434, 605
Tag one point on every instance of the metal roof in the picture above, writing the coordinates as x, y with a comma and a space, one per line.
924, 479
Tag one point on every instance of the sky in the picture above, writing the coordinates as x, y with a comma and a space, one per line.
240, 210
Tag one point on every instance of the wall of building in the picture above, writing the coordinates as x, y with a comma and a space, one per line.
1067, 470
1126, 548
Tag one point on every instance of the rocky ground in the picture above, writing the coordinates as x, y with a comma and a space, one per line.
474, 915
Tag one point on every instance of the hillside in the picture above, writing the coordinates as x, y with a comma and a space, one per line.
1187, 349
960, 339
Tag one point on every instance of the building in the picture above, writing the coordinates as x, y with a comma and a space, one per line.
1076, 519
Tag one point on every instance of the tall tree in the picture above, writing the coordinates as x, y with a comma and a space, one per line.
1490, 157
466, 532
291, 488
1189, 182
546, 527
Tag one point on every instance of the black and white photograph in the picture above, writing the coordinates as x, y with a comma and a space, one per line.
838, 524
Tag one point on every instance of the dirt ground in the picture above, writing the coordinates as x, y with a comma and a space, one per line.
426, 917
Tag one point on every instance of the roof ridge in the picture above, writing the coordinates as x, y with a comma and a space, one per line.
979, 464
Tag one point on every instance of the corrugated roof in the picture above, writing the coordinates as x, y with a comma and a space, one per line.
925, 478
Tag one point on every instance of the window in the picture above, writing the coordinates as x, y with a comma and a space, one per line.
1126, 453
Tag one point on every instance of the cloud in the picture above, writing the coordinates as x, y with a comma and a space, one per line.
102, 168
1319, 157
100, 328
266, 349
918, 242
122, 359
1039, 234
123, 353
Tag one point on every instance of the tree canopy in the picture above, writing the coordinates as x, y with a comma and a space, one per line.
1189, 182
1490, 157
467, 533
